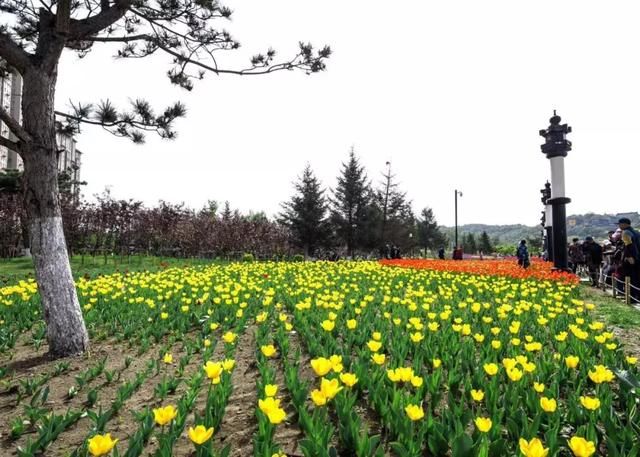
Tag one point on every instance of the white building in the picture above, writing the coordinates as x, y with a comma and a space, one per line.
69, 158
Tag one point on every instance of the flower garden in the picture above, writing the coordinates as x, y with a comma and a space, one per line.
358, 359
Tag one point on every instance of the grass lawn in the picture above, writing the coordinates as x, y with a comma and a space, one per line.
13, 270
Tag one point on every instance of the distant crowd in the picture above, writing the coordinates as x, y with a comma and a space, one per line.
609, 261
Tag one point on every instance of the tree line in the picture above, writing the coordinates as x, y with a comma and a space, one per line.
353, 219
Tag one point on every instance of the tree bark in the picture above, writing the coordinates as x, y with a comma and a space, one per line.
66, 331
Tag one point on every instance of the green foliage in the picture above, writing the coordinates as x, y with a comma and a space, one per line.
485, 243
306, 213
429, 234
248, 257
350, 204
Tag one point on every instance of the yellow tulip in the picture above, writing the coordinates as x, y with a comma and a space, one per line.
581, 447
200, 434
483, 424
533, 448
164, 415
229, 337
268, 350
351, 324
321, 366
538, 387
101, 444
416, 381
591, 403
549, 405
393, 375
436, 363
168, 358
268, 404
414, 412
514, 374
328, 325
378, 359
330, 388
571, 361
270, 390
374, 346
276, 415
318, 398
213, 369
228, 364
490, 368
477, 395
601, 374
348, 379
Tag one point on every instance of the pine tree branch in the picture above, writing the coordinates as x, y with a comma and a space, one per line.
119, 39
85, 28
14, 126
7, 143
13, 53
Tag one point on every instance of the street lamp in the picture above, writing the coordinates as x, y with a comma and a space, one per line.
456, 192
556, 147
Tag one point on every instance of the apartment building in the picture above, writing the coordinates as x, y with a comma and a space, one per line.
69, 157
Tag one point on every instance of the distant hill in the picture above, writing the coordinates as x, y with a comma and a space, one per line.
580, 225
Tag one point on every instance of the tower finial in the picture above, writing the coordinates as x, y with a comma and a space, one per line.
554, 113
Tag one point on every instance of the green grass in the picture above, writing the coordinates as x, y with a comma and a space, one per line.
613, 311
13, 270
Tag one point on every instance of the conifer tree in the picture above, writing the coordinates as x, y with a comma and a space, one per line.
429, 234
349, 204
306, 214
485, 243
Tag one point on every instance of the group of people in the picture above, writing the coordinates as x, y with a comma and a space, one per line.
390, 252
613, 260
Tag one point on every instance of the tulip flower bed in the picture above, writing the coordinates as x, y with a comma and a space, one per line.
321, 359
537, 270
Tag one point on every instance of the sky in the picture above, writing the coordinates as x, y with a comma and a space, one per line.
452, 94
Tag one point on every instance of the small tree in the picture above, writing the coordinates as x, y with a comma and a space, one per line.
429, 234
469, 244
306, 213
349, 203
485, 243
32, 40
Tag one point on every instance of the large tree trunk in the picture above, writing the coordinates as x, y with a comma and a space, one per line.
66, 332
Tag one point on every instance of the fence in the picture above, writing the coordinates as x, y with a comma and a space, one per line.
620, 288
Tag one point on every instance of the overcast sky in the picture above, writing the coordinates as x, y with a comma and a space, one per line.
452, 93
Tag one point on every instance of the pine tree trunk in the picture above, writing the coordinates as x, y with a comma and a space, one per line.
66, 331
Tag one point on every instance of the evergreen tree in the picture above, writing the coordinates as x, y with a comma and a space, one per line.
469, 244
227, 214
429, 234
350, 203
485, 243
397, 218
306, 214
33, 37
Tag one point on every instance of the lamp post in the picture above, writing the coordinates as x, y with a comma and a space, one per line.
556, 147
546, 220
456, 192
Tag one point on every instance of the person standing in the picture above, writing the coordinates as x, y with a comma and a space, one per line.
593, 259
523, 254
631, 255
576, 255
441, 253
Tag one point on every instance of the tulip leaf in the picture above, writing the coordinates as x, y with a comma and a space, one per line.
462, 446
